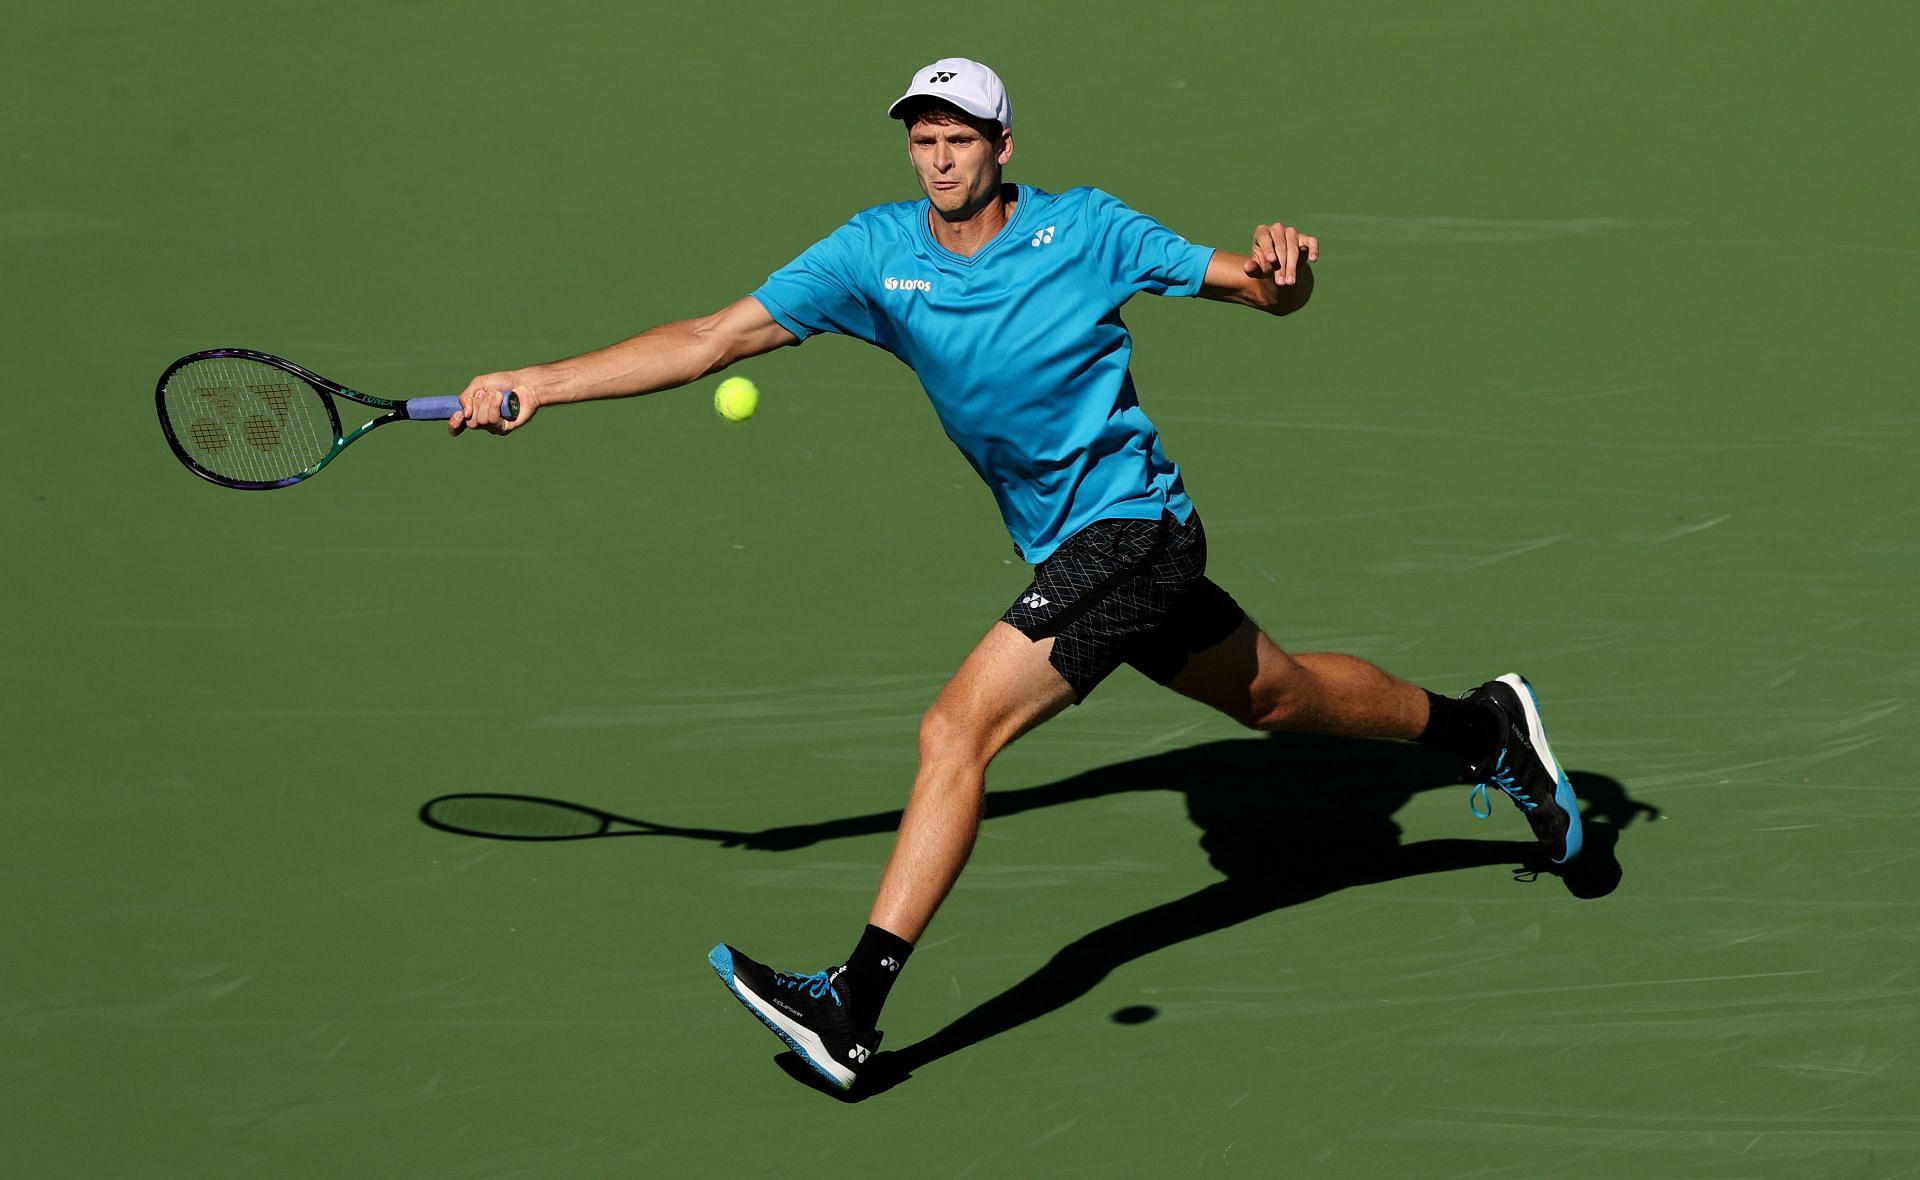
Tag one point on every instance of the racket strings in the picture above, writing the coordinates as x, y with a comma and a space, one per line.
247, 421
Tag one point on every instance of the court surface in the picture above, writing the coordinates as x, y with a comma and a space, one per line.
1608, 380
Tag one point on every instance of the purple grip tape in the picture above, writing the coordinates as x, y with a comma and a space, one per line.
431, 409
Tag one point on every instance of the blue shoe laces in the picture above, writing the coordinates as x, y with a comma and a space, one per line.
819, 985
1500, 776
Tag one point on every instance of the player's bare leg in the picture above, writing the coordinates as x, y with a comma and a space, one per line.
1250, 679
1005, 688
1496, 729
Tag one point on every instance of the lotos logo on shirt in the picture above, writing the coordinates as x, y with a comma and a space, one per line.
893, 284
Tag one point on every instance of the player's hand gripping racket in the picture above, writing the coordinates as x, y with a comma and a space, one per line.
244, 419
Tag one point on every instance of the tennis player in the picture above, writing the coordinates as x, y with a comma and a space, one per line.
1005, 301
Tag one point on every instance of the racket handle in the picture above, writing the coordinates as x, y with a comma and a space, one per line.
431, 409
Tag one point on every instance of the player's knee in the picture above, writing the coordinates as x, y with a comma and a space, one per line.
1258, 715
1249, 716
947, 734
1281, 713
1263, 705
1284, 705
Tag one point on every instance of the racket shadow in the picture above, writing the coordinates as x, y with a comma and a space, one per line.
496, 816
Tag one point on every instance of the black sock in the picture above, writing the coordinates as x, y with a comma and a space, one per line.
871, 970
1467, 728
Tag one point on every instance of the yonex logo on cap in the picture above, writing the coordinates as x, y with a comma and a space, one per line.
965, 83
893, 284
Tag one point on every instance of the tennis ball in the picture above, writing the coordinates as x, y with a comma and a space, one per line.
736, 399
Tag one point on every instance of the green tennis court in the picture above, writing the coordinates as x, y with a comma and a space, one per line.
1608, 379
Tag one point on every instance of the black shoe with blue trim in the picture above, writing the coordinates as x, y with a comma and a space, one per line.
1523, 766
808, 1012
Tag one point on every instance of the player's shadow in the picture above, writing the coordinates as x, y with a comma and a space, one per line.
1284, 818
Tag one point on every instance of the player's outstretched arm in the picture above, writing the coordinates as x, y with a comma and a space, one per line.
1276, 278
658, 358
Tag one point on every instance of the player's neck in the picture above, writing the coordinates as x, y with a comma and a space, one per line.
965, 236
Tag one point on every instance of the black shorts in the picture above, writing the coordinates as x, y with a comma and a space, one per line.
1126, 592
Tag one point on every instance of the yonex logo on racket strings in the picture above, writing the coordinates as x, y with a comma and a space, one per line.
237, 406
893, 284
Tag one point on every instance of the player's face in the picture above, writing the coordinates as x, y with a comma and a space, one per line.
959, 168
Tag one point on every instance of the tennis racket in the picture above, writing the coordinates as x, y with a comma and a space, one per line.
248, 420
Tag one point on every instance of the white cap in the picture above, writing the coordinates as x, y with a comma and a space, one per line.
966, 84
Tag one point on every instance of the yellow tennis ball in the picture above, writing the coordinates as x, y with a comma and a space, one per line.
736, 399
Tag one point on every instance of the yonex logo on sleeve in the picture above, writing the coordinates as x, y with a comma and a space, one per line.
1044, 236
893, 284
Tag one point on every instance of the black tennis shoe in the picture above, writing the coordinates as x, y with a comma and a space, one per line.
1524, 768
808, 1012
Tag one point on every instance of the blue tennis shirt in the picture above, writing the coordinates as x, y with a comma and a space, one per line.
1020, 347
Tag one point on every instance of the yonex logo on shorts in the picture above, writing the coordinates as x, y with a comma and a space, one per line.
1032, 600
893, 284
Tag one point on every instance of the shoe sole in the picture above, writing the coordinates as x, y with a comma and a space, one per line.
801, 1039
1537, 737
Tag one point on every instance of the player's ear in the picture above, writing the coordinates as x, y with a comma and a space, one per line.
1006, 146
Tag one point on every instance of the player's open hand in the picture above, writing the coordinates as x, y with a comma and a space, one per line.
1277, 251
481, 401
